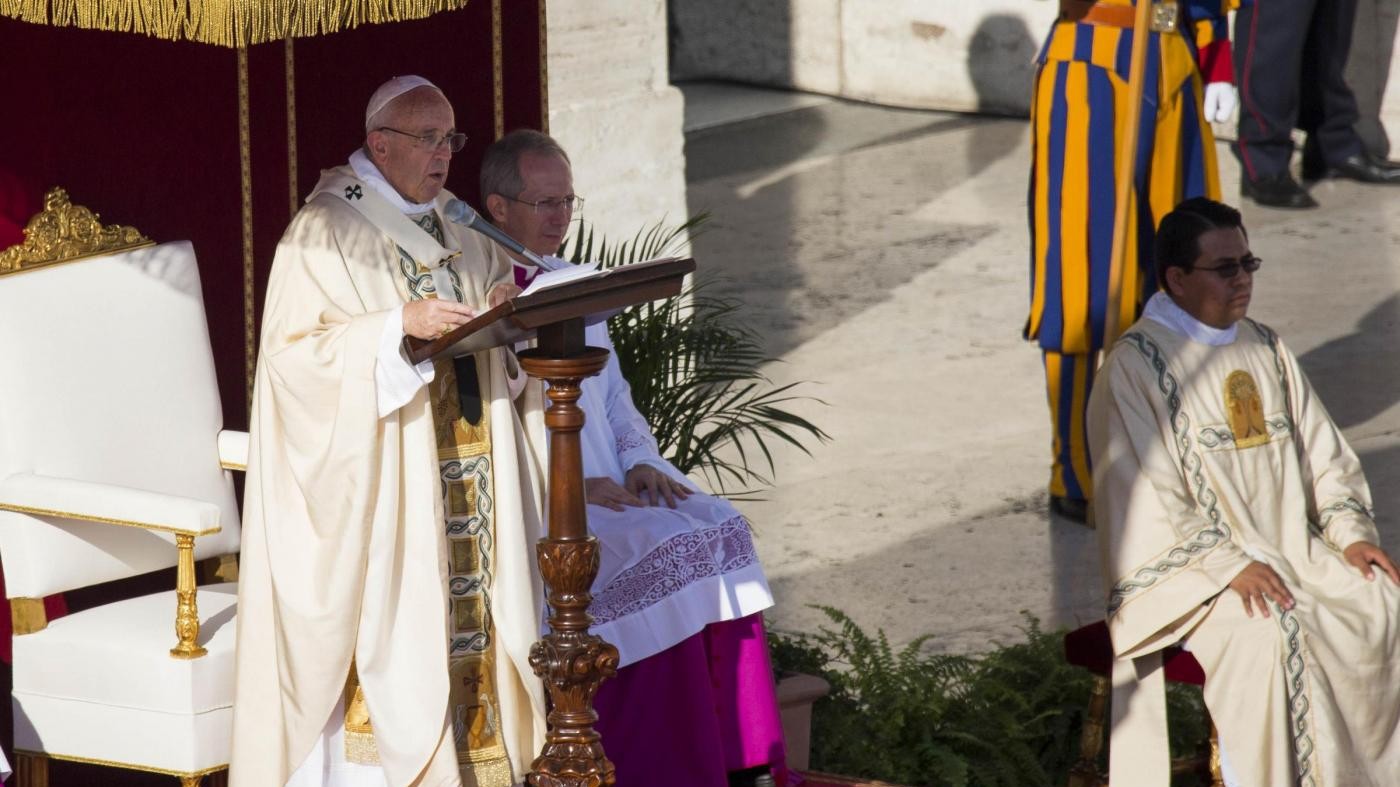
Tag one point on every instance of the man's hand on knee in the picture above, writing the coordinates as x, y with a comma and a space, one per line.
1259, 583
650, 484
1363, 553
605, 492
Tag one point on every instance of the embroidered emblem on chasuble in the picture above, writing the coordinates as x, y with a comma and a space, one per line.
1245, 410
468, 494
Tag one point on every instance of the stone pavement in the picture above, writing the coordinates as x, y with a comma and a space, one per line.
882, 255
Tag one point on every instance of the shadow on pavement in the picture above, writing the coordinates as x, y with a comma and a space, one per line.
1353, 382
815, 212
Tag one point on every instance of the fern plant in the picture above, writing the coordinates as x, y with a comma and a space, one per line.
694, 371
1010, 717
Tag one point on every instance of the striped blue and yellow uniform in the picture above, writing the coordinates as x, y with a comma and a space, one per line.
1079, 109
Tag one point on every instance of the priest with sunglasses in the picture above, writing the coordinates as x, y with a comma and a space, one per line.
1234, 520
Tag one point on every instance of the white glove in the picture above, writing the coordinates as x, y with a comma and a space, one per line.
1220, 100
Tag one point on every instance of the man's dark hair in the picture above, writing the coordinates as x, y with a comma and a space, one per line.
1178, 242
500, 166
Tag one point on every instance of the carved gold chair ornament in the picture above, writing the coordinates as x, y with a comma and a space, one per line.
64, 232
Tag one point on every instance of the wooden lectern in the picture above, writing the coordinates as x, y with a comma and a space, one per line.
571, 661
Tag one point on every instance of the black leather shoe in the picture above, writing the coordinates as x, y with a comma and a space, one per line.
1070, 508
1277, 191
1366, 168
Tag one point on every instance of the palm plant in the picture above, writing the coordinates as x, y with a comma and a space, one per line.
694, 371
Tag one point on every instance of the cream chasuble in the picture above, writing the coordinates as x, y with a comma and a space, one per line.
1205, 458
401, 545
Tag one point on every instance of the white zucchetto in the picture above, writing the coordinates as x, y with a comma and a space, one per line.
391, 90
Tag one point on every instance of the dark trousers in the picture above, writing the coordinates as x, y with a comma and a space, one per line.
1290, 56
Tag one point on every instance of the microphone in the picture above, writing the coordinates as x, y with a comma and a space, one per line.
459, 212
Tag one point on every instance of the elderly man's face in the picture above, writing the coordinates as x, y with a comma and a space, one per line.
547, 178
1213, 299
415, 168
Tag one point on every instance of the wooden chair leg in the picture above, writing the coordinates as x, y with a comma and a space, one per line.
1085, 772
31, 770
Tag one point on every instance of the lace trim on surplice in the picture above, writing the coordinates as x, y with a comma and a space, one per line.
673, 565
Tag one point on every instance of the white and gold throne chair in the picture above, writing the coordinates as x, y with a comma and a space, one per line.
113, 463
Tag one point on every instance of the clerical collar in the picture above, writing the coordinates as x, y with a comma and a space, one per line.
370, 174
1163, 310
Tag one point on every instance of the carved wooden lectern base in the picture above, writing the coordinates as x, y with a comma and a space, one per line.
571, 661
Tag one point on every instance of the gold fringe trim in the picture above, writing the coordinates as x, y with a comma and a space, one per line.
488, 774
360, 747
230, 23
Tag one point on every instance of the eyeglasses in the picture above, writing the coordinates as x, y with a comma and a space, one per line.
570, 204
1230, 270
454, 140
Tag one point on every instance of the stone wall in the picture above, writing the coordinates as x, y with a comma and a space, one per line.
967, 55
963, 55
613, 109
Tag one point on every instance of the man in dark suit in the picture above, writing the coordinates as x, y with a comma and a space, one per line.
1290, 56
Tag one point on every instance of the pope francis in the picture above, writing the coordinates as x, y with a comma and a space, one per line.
386, 603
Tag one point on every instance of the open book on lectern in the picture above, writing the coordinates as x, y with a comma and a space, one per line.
575, 293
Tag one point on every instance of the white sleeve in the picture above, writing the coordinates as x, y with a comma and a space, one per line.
515, 375
395, 379
632, 437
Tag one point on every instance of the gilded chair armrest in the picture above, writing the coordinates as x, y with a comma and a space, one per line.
233, 449
89, 501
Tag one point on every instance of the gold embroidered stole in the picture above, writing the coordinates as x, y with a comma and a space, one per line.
464, 467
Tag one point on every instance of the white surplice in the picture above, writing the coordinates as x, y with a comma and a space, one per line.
665, 573
1210, 451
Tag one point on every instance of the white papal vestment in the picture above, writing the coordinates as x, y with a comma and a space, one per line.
344, 549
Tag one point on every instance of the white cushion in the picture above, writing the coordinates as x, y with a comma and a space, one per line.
108, 377
114, 505
233, 449
145, 739
101, 684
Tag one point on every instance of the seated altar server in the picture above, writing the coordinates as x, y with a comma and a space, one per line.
680, 588
1233, 516
387, 607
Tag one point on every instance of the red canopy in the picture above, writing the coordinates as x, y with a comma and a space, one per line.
217, 145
